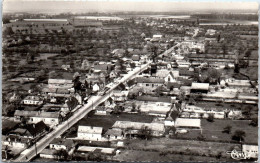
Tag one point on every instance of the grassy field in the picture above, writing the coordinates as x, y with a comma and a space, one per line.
212, 131
183, 147
147, 156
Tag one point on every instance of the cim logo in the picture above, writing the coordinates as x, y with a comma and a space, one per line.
238, 155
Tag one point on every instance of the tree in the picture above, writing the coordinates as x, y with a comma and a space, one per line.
239, 135
227, 129
145, 133
96, 156
210, 118
254, 122
174, 114
62, 155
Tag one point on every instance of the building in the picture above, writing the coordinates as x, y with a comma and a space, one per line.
60, 83
49, 118
114, 134
199, 87
133, 128
16, 141
62, 144
33, 100
186, 123
31, 130
149, 83
90, 133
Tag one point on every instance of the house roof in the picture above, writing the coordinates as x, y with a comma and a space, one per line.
114, 132
130, 83
67, 142
90, 129
48, 151
154, 99
138, 125
33, 98
135, 57
187, 122
200, 86
103, 67
49, 90
149, 80
63, 91
120, 86
25, 113
37, 128
59, 81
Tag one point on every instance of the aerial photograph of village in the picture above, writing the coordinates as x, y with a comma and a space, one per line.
122, 81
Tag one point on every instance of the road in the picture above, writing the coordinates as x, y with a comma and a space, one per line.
93, 101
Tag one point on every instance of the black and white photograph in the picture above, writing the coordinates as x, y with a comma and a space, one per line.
129, 81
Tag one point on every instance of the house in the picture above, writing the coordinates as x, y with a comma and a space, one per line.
65, 67
113, 75
133, 128
89, 133
109, 103
129, 84
49, 118
60, 83
169, 122
119, 96
251, 151
155, 109
188, 123
199, 87
156, 38
157, 100
62, 144
114, 134
32, 100
136, 58
96, 88
171, 77
85, 65
235, 114
16, 141
103, 67
48, 153
102, 110
31, 130
149, 83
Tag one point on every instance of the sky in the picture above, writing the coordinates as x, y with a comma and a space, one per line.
81, 6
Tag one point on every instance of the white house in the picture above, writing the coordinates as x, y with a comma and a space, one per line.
114, 134
96, 87
171, 77
90, 133
62, 144
33, 100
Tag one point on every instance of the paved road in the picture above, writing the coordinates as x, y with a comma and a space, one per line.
93, 101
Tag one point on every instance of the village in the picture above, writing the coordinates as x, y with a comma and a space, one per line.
146, 89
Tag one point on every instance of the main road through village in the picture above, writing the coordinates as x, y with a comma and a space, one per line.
81, 112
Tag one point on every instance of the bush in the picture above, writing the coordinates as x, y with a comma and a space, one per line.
210, 118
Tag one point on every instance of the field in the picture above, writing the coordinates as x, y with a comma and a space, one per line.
166, 146
150, 156
212, 131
